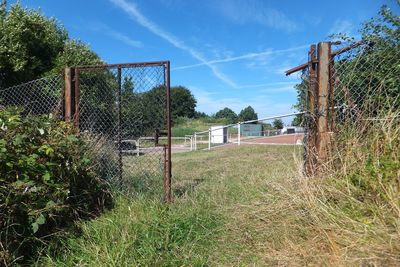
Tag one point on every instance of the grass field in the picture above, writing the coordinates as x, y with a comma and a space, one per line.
242, 206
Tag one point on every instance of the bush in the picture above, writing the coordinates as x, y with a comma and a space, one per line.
47, 182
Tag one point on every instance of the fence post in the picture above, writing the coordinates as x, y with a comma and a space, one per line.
168, 173
195, 141
323, 71
209, 139
69, 94
191, 143
238, 133
310, 157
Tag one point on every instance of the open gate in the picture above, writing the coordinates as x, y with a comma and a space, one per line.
125, 110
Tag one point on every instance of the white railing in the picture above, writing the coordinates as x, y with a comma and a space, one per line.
198, 137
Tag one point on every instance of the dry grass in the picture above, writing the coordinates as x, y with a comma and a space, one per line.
347, 216
251, 206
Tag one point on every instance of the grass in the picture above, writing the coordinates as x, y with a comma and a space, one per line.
249, 206
142, 231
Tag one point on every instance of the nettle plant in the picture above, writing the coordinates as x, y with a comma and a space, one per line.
47, 182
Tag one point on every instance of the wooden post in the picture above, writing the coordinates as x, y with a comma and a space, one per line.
311, 108
323, 79
69, 94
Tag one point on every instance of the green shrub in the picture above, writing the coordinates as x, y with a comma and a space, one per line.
47, 182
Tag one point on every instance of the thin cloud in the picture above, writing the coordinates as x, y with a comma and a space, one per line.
135, 14
245, 56
289, 84
245, 11
100, 27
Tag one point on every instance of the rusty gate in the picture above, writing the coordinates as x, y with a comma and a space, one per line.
124, 109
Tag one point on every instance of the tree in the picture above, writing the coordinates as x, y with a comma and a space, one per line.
228, 114
183, 103
369, 74
277, 123
33, 46
74, 53
199, 114
30, 42
248, 114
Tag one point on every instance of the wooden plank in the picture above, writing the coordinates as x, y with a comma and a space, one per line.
67, 94
311, 99
323, 79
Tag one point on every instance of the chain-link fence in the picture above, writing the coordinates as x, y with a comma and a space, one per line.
124, 110
41, 96
365, 81
345, 86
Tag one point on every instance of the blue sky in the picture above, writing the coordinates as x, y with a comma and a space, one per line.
229, 53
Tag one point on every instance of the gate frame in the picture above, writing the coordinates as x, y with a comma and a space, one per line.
71, 108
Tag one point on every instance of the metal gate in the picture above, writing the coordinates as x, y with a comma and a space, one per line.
124, 109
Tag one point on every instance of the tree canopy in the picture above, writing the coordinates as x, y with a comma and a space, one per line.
33, 45
183, 103
372, 67
277, 123
227, 113
248, 114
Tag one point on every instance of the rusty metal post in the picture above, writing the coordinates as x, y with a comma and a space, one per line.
77, 99
68, 94
119, 135
323, 71
168, 172
310, 157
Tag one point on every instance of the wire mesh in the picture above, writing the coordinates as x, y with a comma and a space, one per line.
366, 82
124, 111
41, 96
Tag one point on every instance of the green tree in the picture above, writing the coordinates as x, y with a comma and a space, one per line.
227, 113
277, 123
74, 53
248, 114
199, 114
33, 45
183, 103
30, 43
369, 75
374, 69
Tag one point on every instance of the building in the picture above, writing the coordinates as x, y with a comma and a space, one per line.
292, 130
251, 129
219, 134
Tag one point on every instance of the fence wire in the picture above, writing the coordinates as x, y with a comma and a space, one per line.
37, 97
366, 82
123, 111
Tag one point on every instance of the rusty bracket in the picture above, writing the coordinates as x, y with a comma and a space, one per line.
333, 54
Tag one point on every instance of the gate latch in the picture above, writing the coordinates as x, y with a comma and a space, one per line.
157, 134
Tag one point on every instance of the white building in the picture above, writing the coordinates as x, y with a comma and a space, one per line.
219, 134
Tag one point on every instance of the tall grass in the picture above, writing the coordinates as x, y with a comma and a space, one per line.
252, 206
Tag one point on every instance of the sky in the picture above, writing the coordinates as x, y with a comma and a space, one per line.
229, 53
